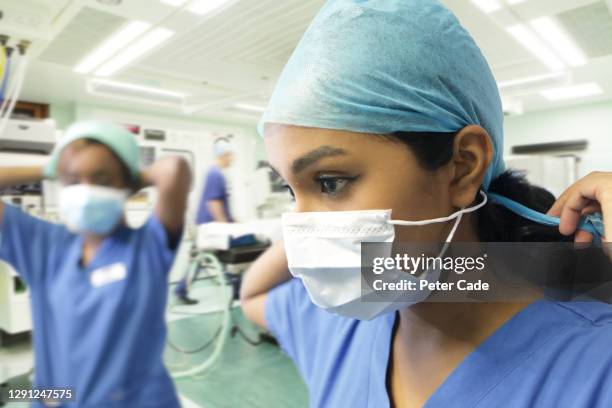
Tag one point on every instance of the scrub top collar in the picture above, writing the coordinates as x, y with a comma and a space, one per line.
121, 233
481, 370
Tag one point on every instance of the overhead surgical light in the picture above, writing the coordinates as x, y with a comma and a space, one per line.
118, 40
572, 92
559, 40
146, 43
540, 50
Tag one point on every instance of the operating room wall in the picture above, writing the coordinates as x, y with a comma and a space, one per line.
247, 143
590, 122
63, 113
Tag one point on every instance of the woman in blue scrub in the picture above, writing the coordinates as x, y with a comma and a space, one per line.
391, 105
98, 287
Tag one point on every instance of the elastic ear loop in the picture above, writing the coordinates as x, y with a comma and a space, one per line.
456, 215
444, 219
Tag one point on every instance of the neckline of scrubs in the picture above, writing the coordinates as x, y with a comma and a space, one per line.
120, 231
481, 370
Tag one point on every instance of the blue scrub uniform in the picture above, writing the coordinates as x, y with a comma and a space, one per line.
98, 329
215, 188
549, 355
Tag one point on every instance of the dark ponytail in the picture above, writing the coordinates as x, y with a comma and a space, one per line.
495, 223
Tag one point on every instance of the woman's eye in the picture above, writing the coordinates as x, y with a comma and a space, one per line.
332, 185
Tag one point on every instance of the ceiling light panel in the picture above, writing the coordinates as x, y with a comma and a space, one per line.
559, 40
145, 44
538, 48
487, 6
250, 108
555, 78
572, 92
135, 92
117, 41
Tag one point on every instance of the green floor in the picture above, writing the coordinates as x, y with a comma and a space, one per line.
245, 375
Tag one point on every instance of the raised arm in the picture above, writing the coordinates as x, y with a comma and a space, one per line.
267, 272
171, 177
12, 176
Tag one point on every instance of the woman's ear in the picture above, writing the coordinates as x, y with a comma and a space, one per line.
472, 155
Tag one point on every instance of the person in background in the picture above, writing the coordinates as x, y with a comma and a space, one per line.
98, 288
214, 204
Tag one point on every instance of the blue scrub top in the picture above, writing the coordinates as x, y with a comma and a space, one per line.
215, 188
548, 355
100, 329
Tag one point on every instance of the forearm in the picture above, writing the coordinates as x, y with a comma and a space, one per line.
216, 210
167, 173
267, 272
11, 176
171, 177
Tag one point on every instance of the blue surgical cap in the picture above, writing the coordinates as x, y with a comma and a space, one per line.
386, 66
221, 147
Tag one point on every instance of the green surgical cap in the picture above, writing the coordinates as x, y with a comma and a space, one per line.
116, 138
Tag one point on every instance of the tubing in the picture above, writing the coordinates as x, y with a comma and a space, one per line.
225, 322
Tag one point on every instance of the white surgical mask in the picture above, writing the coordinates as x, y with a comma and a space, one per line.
91, 209
324, 251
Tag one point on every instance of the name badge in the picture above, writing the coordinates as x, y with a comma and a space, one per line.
108, 274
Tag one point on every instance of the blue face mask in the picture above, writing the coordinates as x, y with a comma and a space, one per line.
87, 209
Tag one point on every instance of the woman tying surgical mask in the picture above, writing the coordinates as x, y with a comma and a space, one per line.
391, 105
97, 287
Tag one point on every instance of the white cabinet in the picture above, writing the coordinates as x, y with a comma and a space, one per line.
15, 316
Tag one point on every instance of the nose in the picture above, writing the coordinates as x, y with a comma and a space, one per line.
308, 204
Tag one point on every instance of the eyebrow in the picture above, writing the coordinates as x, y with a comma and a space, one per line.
310, 158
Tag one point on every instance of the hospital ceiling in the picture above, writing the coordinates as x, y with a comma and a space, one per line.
225, 63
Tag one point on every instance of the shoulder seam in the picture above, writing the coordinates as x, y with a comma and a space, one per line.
592, 321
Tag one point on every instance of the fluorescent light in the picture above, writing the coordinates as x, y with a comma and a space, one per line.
135, 93
572, 92
135, 87
248, 107
134, 51
561, 42
488, 6
118, 40
532, 80
512, 106
513, 2
530, 41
